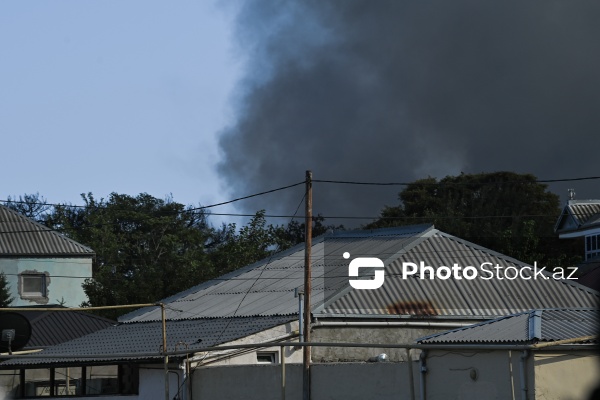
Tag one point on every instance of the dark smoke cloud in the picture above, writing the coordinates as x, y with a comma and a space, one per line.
399, 90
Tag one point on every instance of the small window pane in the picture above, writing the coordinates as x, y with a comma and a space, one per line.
103, 379
37, 382
9, 383
266, 357
33, 285
68, 381
588, 243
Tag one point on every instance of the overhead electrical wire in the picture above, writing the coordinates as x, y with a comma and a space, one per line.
330, 181
587, 178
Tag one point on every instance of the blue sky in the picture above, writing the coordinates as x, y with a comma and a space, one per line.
133, 96
115, 96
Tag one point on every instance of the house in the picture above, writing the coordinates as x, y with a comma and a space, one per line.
430, 282
581, 218
515, 356
42, 266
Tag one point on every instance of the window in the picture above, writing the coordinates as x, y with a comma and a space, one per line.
77, 381
592, 246
33, 285
266, 357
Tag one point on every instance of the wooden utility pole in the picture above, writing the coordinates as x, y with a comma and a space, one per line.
307, 287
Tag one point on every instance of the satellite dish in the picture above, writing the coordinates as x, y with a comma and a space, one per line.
15, 332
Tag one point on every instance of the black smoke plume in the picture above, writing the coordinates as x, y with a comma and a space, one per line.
399, 90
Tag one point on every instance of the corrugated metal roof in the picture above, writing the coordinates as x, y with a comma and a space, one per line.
144, 338
49, 328
20, 236
459, 298
267, 287
525, 328
583, 210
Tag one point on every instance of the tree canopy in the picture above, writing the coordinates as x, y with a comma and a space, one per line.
508, 212
148, 249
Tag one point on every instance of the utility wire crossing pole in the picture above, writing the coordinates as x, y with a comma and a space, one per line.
307, 287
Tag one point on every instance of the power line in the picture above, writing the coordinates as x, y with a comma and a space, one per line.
457, 183
325, 217
179, 212
586, 178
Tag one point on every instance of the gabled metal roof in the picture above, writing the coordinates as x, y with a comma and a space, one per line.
20, 236
267, 287
525, 328
476, 298
583, 214
131, 342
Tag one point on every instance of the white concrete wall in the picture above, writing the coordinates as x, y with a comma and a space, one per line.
563, 376
476, 374
248, 357
66, 275
365, 334
549, 376
152, 384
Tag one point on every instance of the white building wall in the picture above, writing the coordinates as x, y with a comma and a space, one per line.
65, 277
249, 356
566, 376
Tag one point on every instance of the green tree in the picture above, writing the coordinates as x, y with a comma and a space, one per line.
30, 205
146, 248
5, 298
294, 232
504, 211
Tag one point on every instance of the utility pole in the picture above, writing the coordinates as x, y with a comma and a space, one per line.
307, 287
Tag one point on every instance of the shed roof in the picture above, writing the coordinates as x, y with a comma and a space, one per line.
267, 287
21, 236
137, 342
527, 327
49, 328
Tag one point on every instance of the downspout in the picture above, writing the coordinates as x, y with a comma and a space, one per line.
423, 369
411, 379
522, 363
300, 295
282, 356
185, 372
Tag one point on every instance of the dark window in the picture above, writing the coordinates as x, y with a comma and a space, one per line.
91, 380
266, 357
33, 285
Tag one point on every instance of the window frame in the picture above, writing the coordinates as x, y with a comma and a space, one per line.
125, 371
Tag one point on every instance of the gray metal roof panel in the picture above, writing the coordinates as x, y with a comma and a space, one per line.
267, 287
122, 342
486, 298
583, 211
526, 327
569, 323
51, 328
21, 236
